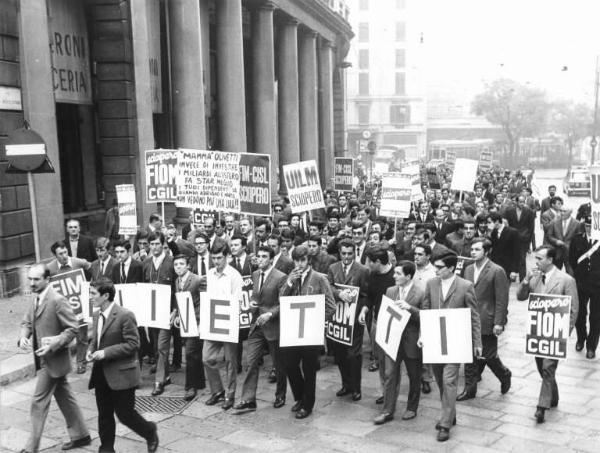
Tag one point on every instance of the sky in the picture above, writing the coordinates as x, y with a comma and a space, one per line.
469, 42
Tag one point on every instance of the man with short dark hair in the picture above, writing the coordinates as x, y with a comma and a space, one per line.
522, 219
319, 259
103, 266
547, 202
546, 278
78, 245
505, 245
281, 261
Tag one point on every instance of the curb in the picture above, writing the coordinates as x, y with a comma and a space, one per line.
16, 368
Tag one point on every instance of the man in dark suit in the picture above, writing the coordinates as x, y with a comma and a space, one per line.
546, 202
551, 214
304, 281
116, 371
320, 260
548, 279
281, 261
358, 236
158, 268
202, 261
447, 290
560, 234
424, 215
264, 332
505, 245
407, 296
585, 262
348, 272
103, 266
522, 218
78, 245
49, 325
442, 226
491, 291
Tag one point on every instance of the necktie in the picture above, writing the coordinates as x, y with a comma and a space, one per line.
238, 264
262, 280
123, 276
203, 266
103, 267
543, 279
37, 302
180, 283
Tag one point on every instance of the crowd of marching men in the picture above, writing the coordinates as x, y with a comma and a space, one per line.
414, 261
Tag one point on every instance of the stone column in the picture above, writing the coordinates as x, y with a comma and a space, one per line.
326, 150
263, 75
309, 115
287, 65
230, 74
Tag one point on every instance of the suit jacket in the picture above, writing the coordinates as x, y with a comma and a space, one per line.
246, 269
545, 204
120, 341
556, 233
96, 269
85, 248
463, 247
444, 229
587, 271
460, 295
54, 317
491, 291
358, 276
410, 336
525, 225
505, 250
438, 250
135, 273
194, 264
284, 264
314, 283
76, 263
321, 262
546, 219
266, 299
559, 283
418, 217
164, 275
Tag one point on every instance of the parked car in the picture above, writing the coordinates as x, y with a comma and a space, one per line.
577, 182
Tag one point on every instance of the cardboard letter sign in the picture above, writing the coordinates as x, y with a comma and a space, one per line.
446, 335
219, 319
302, 320
391, 323
187, 315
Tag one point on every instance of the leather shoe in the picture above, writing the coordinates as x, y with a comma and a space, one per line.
409, 415
443, 435
590, 354
383, 418
244, 406
297, 406
190, 394
158, 389
539, 415
215, 398
272, 377
379, 400
227, 404
374, 366
554, 403
302, 413
279, 402
438, 426
464, 396
343, 392
356, 396
167, 381
579, 346
153, 441
77, 443
425, 387
81, 368
505, 383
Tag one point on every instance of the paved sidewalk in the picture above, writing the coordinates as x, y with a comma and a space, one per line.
491, 422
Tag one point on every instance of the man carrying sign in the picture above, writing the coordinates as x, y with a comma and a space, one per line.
448, 290
546, 278
348, 272
407, 296
194, 370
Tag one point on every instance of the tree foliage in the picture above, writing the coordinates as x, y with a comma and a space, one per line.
520, 110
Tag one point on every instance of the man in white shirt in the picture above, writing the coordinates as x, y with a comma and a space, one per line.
223, 281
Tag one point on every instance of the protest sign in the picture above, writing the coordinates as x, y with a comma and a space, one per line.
303, 186
126, 295
464, 175
485, 159
432, 180
446, 335
149, 302
73, 286
450, 158
341, 328
199, 216
187, 315
343, 174
302, 320
414, 172
391, 323
461, 265
161, 175
548, 317
127, 209
208, 179
595, 195
219, 319
396, 190
255, 187
246, 304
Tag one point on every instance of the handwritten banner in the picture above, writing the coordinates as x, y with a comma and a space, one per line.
303, 185
255, 187
548, 317
209, 179
161, 175
341, 328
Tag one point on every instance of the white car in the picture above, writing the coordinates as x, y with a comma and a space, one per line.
577, 182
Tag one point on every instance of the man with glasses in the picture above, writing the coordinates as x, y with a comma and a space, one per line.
264, 332
447, 290
202, 261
